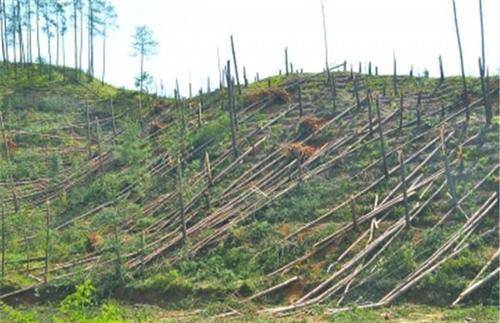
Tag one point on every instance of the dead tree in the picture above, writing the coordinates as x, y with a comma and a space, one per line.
482, 34
403, 187
182, 128
418, 109
486, 99
369, 100
113, 118
98, 142
333, 89
143, 249
181, 199
395, 77
200, 111
381, 140
210, 182
245, 79
89, 131
401, 111
464, 82
301, 108
356, 93
231, 103
3, 241
441, 70
286, 61
447, 171
235, 65
47, 243
353, 213
8, 159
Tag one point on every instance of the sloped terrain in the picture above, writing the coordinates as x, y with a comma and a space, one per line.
313, 193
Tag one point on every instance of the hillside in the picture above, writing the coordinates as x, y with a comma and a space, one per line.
307, 196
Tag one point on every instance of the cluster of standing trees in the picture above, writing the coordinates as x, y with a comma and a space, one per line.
26, 24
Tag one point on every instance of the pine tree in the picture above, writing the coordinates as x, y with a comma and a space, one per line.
144, 45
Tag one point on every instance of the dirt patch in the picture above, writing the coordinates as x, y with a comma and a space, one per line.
294, 292
274, 94
301, 149
309, 125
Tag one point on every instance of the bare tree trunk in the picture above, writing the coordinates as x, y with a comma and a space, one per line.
449, 178
47, 243
441, 70
3, 241
482, 34
465, 94
104, 54
230, 94
181, 200
8, 159
381, 139
486, 99
39, 51
58, 37
395, 77
75, 35
2, 36
403, 187
236, 73
286, 61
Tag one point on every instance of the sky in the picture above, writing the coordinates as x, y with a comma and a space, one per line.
190, 32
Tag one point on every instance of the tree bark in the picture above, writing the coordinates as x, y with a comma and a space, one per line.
459, 42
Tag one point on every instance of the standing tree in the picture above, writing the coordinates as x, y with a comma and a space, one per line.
108, 18
48, 8
144, 45
77, 4
3, 31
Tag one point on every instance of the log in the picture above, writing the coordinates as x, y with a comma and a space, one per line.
464, 83
47, 243
236, 73
403, 186
381, 140
274, 288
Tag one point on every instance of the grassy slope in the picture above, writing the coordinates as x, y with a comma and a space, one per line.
47, 122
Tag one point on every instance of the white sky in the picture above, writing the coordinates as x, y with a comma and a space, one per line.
190, 31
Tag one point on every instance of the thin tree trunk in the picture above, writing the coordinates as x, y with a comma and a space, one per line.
403, 187
80, 66
482, 34
286, 61
235, 65
2, 37
39, 51
381, 139
181, 200
441, 70
104, 55
29, 41
57, 40
230, 94
8, 159
449, 178
486, 100
3, 242
5, 30
47, 243
459, 42
75, 31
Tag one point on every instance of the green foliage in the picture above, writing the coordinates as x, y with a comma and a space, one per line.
170, 281
16, 316
76, 305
